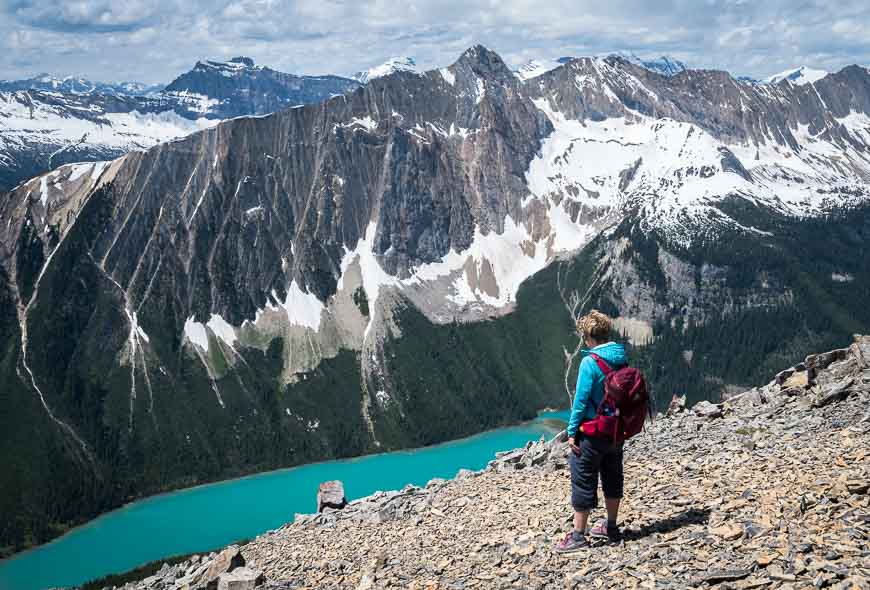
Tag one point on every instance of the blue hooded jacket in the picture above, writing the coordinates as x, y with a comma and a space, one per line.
590, 383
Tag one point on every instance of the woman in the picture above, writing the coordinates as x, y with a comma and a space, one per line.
593, 456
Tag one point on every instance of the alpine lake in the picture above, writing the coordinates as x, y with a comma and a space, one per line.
207, 517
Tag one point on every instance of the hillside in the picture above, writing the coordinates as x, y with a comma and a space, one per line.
766, 490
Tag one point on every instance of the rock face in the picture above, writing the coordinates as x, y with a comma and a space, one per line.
383, 269
701, 509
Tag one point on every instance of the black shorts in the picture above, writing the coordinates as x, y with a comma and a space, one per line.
596, 456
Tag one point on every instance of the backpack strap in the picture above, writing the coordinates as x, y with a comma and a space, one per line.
605, 368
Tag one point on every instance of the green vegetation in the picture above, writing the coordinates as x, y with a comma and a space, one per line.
139, 573
361, 301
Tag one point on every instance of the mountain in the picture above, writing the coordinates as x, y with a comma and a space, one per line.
49, 122
800, 76
238, 87
535, 67
43, 130
395, 267
78, 85
391, 66
664, 65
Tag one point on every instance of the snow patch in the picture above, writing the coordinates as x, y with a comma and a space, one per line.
222, 329
800, 76
480, 90
196, 333
448, 76
492, 268
303, 309
535, 67
366, 123
391, 66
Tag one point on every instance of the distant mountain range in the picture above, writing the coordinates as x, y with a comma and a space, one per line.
78, 85
665, 65
47, 122
800, 76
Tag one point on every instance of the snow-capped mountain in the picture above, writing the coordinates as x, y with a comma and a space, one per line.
800, 76
391, 66
665, 65
43, 130
392, 267
238, 87
79, 85
537, 67
47, 121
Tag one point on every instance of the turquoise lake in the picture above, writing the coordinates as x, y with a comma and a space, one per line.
210, 516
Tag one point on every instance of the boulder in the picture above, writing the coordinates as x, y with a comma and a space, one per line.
330, 494
226, 561
242, 578
818, 362
747, 400
796, 381
838, 392
677, 405
705, 409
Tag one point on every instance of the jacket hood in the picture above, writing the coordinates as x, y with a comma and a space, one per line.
613, 353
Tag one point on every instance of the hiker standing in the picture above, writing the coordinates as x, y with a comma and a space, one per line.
598, 427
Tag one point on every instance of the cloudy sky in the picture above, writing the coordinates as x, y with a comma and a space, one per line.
155, 40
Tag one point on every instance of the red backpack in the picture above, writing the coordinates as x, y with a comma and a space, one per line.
625, 406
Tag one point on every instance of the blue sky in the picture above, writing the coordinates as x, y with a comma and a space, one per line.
155, 40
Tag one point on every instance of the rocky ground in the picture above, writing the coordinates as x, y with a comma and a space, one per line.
768, 489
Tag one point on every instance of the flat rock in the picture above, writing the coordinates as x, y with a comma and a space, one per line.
707, 409
242, 578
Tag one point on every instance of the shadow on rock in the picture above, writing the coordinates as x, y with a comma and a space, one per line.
678, 521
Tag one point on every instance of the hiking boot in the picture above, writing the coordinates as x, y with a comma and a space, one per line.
602, 530
571, 545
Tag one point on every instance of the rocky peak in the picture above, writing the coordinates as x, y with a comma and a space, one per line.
800, 76
391, 66
485, 63
664, 65
243, 60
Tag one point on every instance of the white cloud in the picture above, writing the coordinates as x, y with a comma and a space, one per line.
154, 40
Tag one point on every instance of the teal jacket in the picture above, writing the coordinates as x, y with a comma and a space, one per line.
590, 383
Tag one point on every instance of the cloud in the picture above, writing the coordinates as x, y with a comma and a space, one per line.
155, 40
82, 16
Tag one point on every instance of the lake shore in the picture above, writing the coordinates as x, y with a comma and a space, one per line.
502, 439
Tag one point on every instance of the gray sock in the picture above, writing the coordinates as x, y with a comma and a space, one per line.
577, 535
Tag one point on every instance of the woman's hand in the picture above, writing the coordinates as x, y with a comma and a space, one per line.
574, 448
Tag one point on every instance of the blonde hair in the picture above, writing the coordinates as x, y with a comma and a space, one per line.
595, 325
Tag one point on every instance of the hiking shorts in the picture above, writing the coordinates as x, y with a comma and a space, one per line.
597, 456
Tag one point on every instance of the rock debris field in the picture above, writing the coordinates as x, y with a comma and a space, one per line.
768, 489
